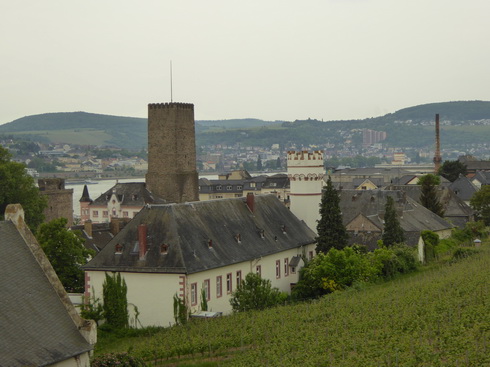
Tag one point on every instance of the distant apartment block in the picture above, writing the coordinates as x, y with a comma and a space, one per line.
370, 137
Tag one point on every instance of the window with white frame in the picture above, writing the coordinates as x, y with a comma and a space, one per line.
229, 285
258, 270
286, 267
105, 213
194, 294
219, 288
238, 278
207, 289
95, 213
278, 269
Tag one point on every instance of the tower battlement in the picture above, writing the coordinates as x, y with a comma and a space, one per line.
305, 155
154, 106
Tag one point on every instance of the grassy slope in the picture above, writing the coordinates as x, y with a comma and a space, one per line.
437, 317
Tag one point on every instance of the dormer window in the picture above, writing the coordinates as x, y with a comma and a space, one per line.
218, 187
229, 187
118, 248
283, 228
262, 233
163, 249
238, 238
135, 197
210, 243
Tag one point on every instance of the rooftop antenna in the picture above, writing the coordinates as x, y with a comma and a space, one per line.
171, 84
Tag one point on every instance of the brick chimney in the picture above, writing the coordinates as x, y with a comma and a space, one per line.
87, 227
251, 201
142, 229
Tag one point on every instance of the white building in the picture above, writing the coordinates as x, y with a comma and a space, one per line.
182, 249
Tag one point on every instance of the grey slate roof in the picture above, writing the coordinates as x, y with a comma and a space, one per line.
483, 177
129, 193
453, 206
187, 228
35, 328
463, 188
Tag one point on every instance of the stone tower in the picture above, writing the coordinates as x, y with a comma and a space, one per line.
60, 200
172, 173
305, 173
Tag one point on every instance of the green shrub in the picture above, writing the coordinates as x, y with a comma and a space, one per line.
431, 240
463, 253
406, 257
445, 245
394, 260
255, 293
117, 359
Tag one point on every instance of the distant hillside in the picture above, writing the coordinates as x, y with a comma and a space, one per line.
82, 128
411, 126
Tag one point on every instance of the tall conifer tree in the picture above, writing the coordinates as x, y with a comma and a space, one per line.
330, 228
428, 194
393, 232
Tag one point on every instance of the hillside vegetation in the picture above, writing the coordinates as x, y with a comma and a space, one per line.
131, 133
436, 317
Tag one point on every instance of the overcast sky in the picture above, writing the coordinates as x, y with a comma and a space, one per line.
266, 59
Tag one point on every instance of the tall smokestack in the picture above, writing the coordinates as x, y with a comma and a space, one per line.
437, 156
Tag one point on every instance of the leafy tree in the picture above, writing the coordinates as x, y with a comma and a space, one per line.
330, 228
451, 170
480, 202
114, 293
17, 187
393, 232
255, 293
428, 195
65, 251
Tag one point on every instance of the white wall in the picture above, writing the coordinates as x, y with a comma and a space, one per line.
153, 293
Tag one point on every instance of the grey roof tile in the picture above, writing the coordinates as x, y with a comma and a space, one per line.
35, 328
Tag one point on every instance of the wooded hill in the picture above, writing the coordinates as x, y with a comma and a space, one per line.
409, 127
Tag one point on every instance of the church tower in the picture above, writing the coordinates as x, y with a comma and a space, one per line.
305, 173
85, 202
172, 173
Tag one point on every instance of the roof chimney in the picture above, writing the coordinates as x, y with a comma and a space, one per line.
142, 240
251, 201
87, 227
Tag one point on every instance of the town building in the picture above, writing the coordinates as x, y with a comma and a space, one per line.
123, 200
209, 246
363, 215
